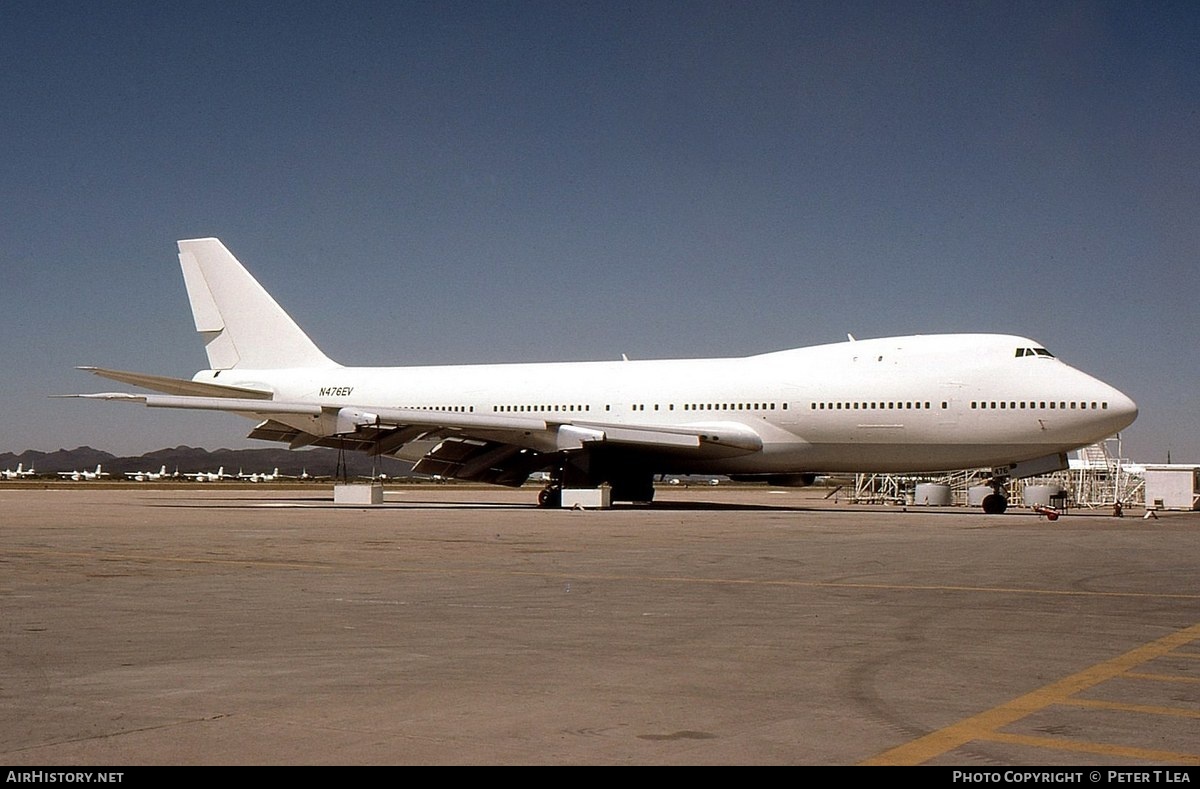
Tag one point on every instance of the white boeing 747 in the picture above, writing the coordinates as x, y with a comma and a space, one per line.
898, 404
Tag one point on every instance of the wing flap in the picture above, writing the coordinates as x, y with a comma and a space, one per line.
272, 430
723, 438
480, 461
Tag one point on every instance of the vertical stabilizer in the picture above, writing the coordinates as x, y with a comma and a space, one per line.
241, 324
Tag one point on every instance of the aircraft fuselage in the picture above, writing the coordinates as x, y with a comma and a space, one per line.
903, 404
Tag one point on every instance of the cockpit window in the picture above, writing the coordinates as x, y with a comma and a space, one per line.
1034, 352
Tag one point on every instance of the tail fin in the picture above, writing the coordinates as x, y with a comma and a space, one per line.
241, 324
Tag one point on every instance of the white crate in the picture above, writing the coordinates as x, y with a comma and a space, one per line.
587, 498
369, 493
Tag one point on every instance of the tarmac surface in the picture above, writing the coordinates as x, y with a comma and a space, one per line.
237, 624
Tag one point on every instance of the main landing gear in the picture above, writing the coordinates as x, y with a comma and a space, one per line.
637, 488
550, 496
995, 503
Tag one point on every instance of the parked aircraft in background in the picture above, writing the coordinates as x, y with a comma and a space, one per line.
898, 404
148, 476
78, 476
262, 476
378, 477
20, 473
209, 476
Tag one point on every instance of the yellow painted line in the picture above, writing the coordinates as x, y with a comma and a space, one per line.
1146, 709
987, 724
1106, 750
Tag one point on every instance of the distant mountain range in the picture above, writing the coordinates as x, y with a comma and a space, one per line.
185, 460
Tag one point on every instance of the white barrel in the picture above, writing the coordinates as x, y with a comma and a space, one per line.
932, 494
1040, 495
977, 494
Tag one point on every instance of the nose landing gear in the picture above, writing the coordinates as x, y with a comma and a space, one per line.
995, 504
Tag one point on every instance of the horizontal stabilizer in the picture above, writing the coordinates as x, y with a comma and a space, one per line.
177, 386
237, 404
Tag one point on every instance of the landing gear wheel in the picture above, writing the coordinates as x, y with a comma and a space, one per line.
550, 497
994, 504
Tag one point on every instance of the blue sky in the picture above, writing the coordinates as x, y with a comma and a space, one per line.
457, 182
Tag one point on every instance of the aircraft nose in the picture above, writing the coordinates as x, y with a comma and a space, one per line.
1123, 410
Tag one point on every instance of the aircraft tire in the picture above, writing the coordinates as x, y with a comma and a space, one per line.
994, 504
550, 497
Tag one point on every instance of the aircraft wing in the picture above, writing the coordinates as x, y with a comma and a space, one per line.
497, 448
502, 463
